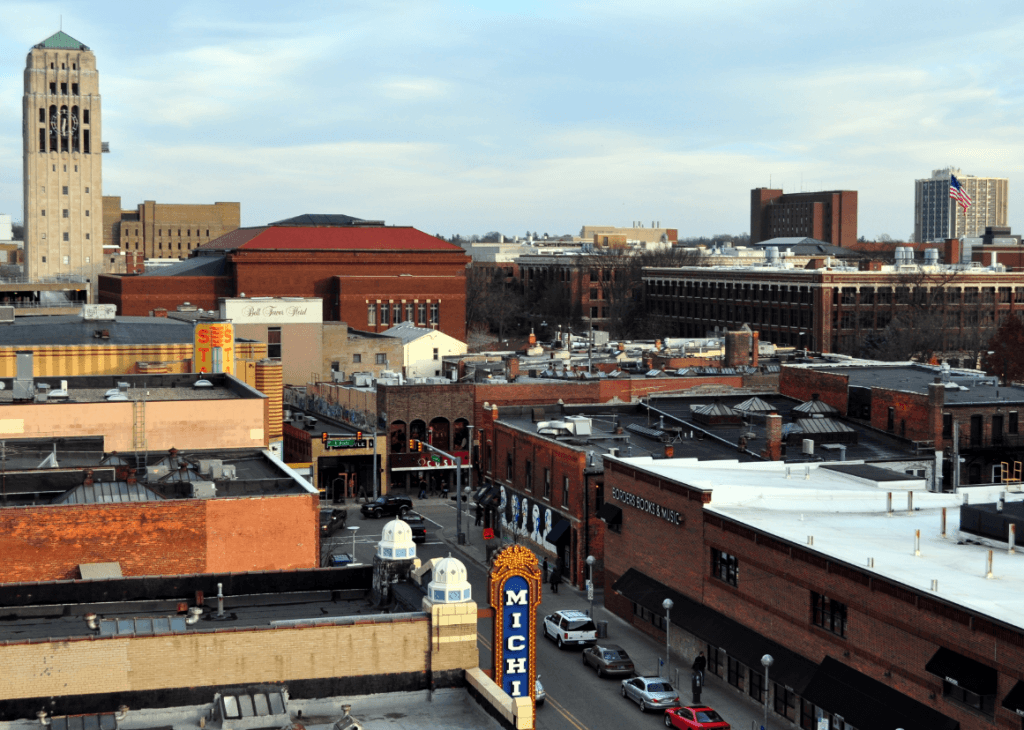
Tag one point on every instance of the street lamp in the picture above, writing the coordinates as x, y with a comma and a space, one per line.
667, 604
590, 582
766, 661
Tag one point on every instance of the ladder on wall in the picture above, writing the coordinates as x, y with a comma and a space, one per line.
139, 427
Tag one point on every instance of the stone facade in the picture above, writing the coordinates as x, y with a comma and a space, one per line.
63, 189
165, 230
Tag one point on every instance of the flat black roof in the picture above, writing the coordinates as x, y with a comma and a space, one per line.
57, 609
965, 386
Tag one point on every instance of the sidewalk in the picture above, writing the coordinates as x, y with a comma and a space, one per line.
646, 651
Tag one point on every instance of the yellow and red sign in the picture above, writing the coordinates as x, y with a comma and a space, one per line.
214, 348
514, 586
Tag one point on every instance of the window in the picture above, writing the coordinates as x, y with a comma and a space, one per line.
385, 314
74, 89
44, 258
714, 660
53, 87
529, 476
86, 236
65, 190
85, 120
87, 190
890, 423
382, 358
828, 613
735, 673
65, 236
434, 313
947, 425
274, 342
997, 429
357, 357
565, 492
409, 313
207, 232
435, 353
755, 687
43, 213
64, 88
64, 213
179, 231
86, 214
67, 259
984, 703
371, 314
421, 318
508, 467
725, 567
547, 484
1013, 424
785, 702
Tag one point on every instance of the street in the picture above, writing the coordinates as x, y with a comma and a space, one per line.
577, 699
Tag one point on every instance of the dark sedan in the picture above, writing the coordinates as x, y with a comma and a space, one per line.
610, 660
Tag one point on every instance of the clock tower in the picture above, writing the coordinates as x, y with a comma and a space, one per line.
62, 177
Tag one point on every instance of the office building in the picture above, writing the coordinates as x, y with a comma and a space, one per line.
166, 231
825, 216
934, 210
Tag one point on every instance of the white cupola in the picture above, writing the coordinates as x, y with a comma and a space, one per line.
449, 584
396, 542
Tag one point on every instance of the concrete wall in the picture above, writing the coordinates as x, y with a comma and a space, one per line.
301, 348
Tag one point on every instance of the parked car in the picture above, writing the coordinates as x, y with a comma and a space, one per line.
337, 560
418, 524
539, 695
609, 660
651, 693
387, 506
331, 521
697, 717
570, 628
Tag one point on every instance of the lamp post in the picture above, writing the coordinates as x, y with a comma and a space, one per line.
355, 529
667, 604
766, 661
458, 498
590, 582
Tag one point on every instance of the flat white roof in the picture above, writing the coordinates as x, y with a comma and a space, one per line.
847, 517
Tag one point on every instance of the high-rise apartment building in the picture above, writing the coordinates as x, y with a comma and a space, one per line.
935, 212
63, 192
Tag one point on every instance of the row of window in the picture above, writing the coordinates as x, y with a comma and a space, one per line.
160, 232
528, 485
64, 212
1000, 425
380, 358
398, 312
67, 259
159, 246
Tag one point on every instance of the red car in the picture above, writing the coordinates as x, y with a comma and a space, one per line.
697, 717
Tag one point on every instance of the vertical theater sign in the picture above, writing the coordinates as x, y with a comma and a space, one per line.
514, 590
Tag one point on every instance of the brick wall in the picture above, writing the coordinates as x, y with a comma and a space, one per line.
174, 537
136, 296
803, 383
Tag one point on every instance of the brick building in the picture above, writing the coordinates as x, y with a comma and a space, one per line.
829, 309
367, 274
960, 416
826, 216
166, 230
868, 626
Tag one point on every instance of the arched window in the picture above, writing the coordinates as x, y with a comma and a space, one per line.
440, 433
460, 435
75, 133
418, 430
399, 441
54, 126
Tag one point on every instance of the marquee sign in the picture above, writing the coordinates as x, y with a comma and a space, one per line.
514, 587
213, 348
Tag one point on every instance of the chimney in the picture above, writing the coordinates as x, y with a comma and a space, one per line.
773, 436
160, 312
952, 251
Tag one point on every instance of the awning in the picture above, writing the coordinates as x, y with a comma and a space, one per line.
611, 514
559, 533
1014, 701
489, 496
963, 672
746, 645
866, 702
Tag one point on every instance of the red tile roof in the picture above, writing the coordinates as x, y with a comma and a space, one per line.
337, 238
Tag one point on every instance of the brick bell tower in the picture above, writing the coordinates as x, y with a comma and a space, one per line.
63, 189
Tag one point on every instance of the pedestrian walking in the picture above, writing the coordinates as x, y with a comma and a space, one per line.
479, 515
423, 488
544, 567
556, 578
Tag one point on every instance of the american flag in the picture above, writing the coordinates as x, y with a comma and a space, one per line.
957, 193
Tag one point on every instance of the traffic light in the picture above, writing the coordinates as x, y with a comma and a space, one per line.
412, 445
359, 435
323, 437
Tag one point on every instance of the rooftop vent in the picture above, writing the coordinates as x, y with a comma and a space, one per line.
202, 383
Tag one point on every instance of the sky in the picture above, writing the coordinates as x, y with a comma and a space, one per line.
476, 116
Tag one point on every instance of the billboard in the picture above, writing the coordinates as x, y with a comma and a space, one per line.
213, 348
272, 310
